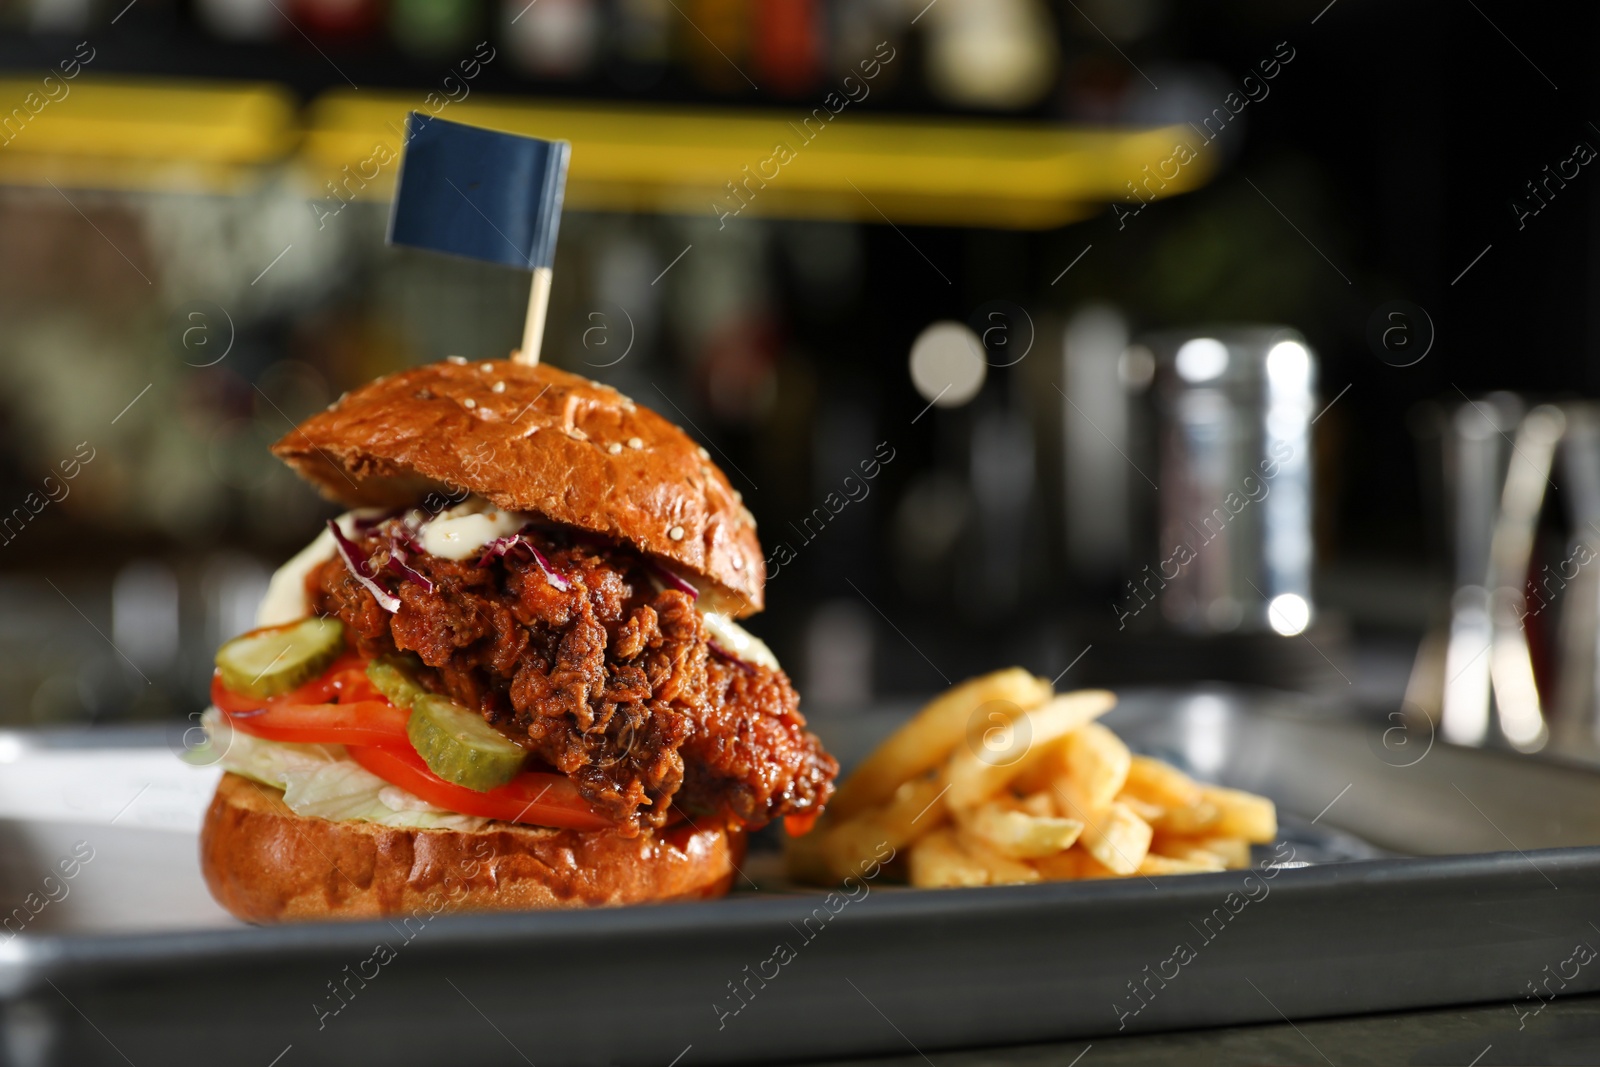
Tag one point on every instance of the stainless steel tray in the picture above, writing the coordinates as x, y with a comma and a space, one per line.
1444, 876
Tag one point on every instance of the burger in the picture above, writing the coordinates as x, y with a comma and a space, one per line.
511, 676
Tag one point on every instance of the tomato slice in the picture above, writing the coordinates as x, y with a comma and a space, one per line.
345, 679
343, 707
229, 701
361, 717
364, 722
542, 799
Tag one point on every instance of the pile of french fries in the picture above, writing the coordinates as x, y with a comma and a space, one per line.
998, 781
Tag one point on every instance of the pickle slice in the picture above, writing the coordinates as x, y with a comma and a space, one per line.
459, 746
394, 679
270, 662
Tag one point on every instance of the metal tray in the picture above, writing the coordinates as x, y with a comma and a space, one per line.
1480, 892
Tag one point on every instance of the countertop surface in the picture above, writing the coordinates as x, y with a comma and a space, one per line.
1566, 1030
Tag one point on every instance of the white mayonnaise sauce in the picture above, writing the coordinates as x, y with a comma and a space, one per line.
464, 529
286, 593
738, 641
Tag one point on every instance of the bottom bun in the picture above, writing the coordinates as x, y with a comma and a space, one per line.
266, 864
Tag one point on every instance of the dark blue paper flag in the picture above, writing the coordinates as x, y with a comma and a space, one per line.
479, 193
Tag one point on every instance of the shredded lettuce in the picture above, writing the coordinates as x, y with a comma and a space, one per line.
322, 780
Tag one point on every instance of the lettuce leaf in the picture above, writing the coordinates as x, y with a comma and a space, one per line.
322, 780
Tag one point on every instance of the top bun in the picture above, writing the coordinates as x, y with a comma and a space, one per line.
539, 440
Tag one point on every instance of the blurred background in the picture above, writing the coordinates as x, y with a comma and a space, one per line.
942, 285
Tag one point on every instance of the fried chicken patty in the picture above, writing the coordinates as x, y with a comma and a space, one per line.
613, 681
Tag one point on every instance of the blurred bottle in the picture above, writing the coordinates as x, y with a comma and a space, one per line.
789, 45
1001, 473
858, 28
144, 615
998, 54
241, 20
1475, 672
349, 20
638, 41
1097, 370
429, 29
59, 16
1235, 550
715, 40
552, 38
1477, 453
232, 587
1576, 650
839, 656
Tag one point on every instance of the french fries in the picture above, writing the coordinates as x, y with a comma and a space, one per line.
1241, 814
916, 805
1160, 784
1119, 839
1223, 852
1234, 852
1020, 834
939, 860
1096, 763
1188, 821
1150, 813
946, 858
975, 773
1000, 782
924, 743
1002, 870
1155, 863
1063, 866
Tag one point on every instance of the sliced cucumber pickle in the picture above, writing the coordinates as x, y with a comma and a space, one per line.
393, 678
268, 663
459, 746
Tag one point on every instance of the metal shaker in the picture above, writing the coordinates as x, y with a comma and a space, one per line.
1234, 406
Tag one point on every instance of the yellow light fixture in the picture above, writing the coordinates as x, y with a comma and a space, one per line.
125, 133
789, 163
132, 133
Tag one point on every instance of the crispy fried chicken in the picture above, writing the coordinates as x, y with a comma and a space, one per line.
612, 681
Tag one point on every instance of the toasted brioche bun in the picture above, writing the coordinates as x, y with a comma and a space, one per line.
266, 864
550, 443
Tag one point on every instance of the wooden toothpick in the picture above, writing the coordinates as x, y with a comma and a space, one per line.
533, 327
